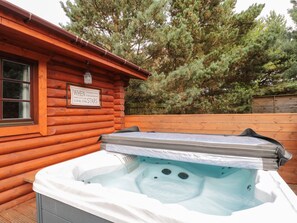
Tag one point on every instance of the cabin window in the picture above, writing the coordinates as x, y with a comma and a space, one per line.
16, 91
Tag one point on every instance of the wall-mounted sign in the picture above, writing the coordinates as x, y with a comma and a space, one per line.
81, 96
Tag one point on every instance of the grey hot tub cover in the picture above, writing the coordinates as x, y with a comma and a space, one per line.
283, 155
247, 150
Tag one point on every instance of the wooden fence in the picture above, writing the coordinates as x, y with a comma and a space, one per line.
275, 104
282, 127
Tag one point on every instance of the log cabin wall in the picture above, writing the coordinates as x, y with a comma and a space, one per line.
71, 132
282, 127
57, 132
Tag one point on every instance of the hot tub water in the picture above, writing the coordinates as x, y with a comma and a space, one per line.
169, 183
198, 187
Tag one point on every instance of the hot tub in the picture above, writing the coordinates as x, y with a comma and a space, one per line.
111, 187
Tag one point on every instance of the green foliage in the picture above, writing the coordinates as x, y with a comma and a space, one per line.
290, 46
279, 76
204, 57
128, 28
293, 11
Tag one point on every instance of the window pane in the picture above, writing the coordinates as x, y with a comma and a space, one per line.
16, 90
16, 110
16, 71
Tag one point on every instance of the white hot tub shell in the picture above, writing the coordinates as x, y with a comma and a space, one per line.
72, 192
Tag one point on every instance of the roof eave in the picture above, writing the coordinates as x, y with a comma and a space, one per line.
28, 18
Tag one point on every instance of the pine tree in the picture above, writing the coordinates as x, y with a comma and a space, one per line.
290, 46
128, 28
205, 57
280, 72
215, 76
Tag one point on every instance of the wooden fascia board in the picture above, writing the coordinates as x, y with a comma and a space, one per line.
34, 34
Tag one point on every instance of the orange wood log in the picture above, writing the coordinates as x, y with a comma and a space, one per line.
107, 104
107, 98
55, 70
72, 67
15, 181
119, 84
119, 101
17, 157
107, 91
19, 137
77, 79
119, 107
119, 126
119, 120
61, 129
117, 77
58, 102
57, 93
23, 167
75, 67
17, 201
119, 90
58, 111
20, 145
63, 120
15, 192
119, 114
56, 84
119, 95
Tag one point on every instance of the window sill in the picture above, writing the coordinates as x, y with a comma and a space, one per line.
19, 130
16, 124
